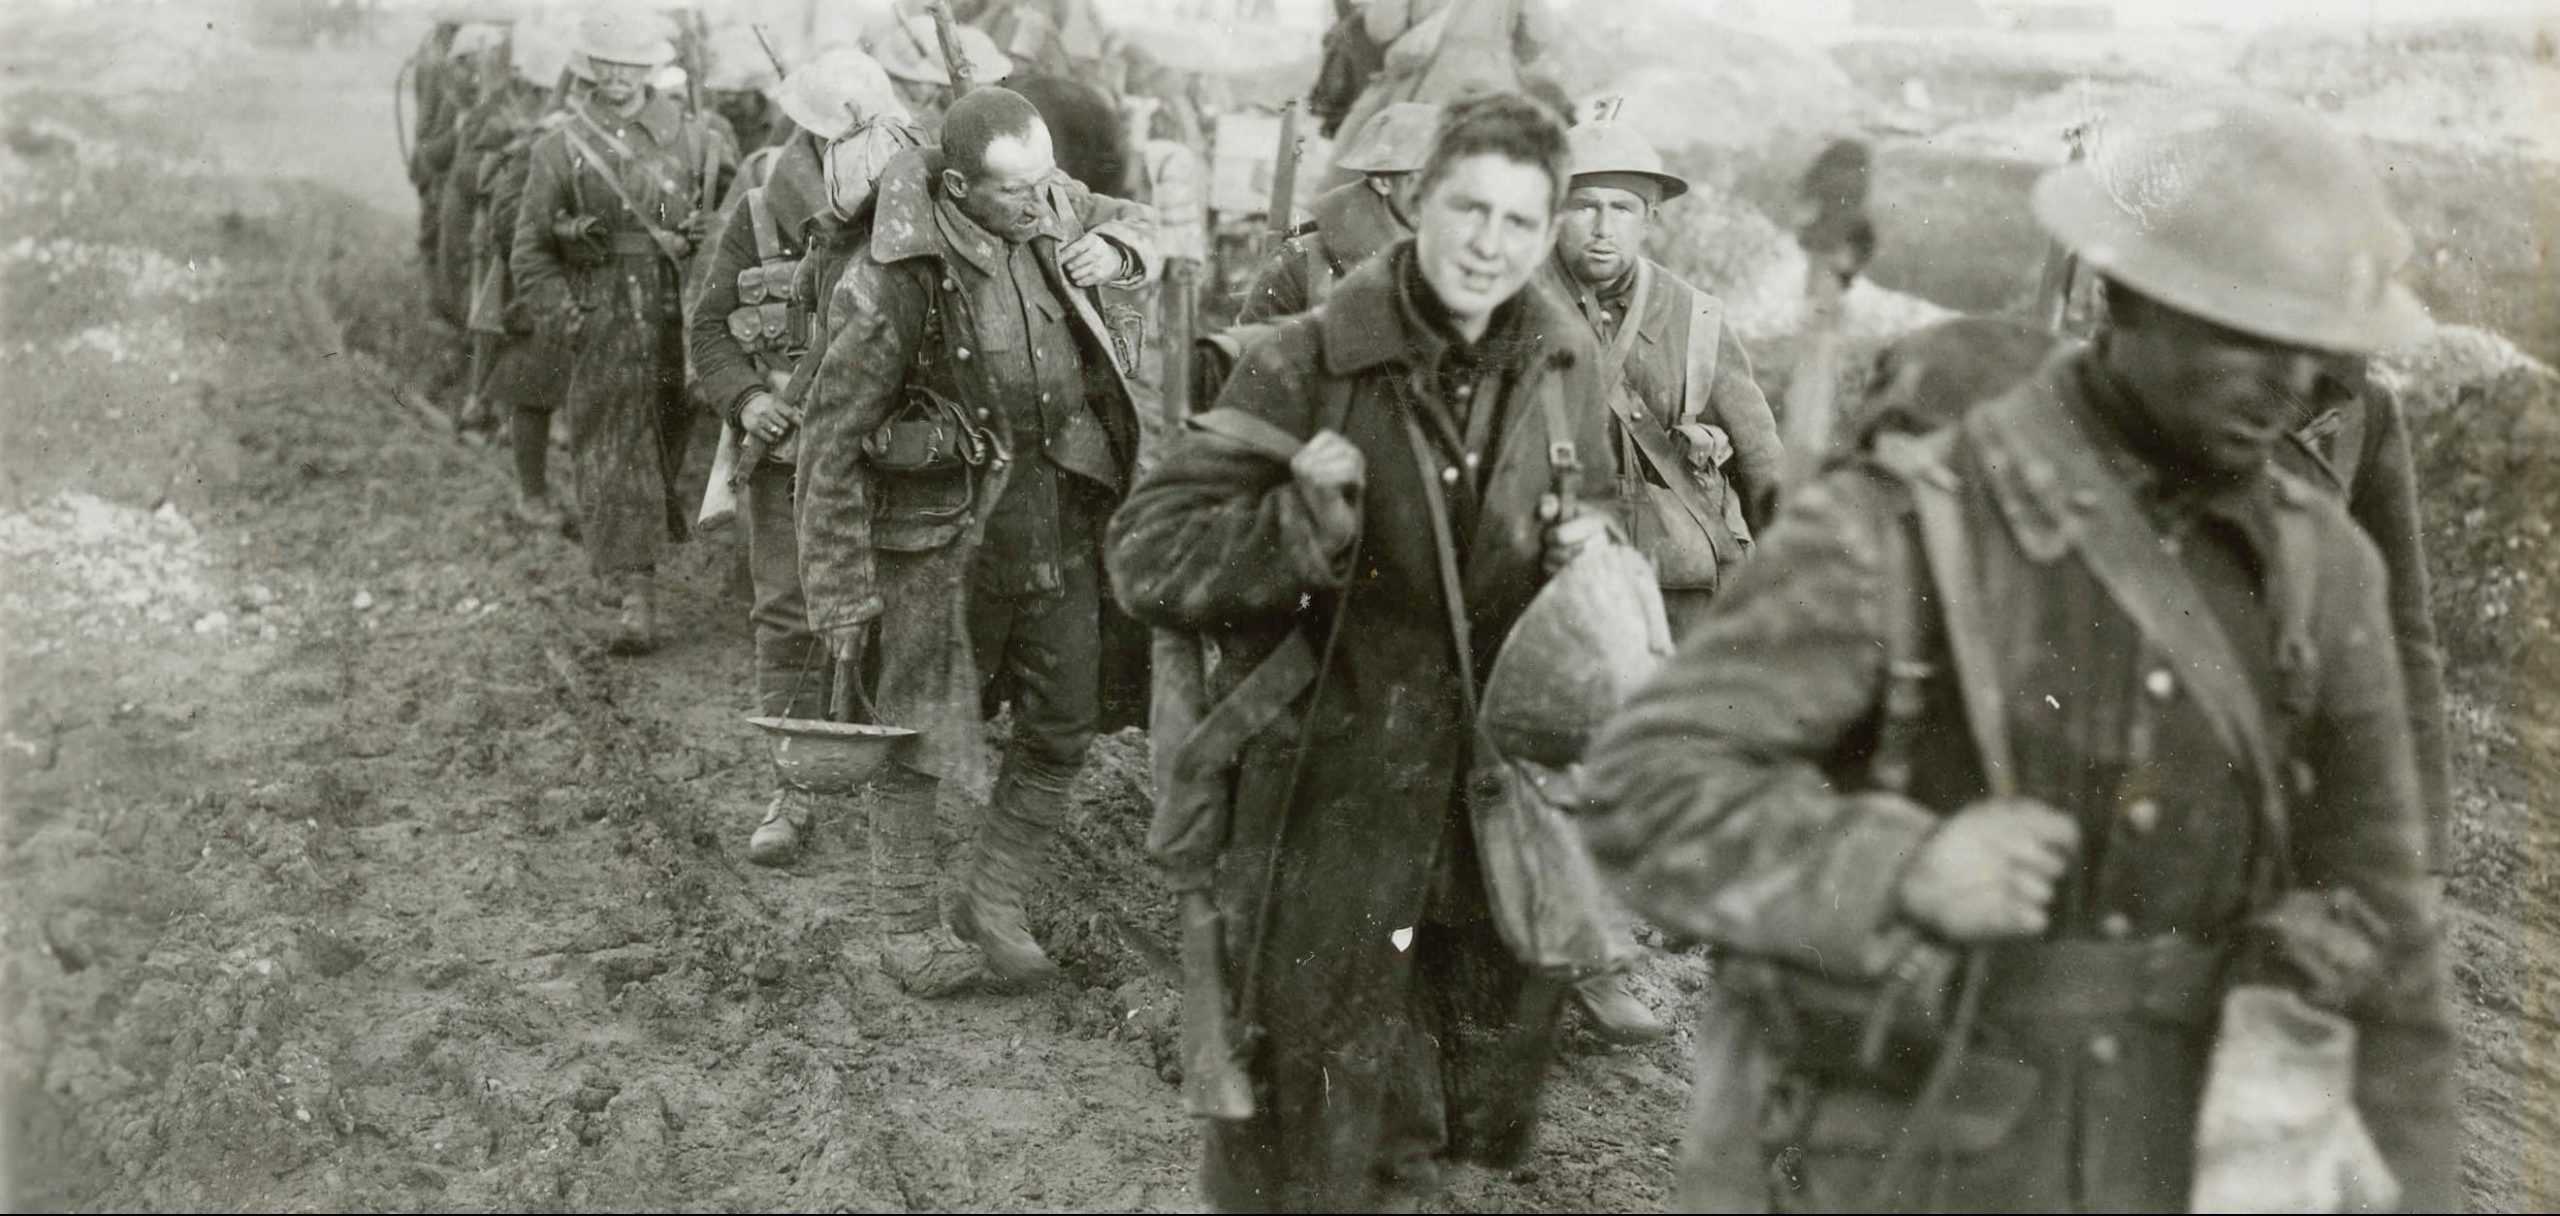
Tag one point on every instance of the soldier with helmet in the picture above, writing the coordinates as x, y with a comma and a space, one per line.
527, 370
911, 52
2017, 749
615, 200
1696, 440
1353, 221
752, 322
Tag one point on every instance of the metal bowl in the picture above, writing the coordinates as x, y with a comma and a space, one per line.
828, 757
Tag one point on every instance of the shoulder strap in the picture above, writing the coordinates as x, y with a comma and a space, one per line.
1613, 371
1706, 351
1444, 546
768, 236
1946, 559
1318, 265
1564, 464
1667, 465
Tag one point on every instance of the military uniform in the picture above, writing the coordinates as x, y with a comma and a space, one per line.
1684, 367
1378, 1057
1723, 824
1000, 557
1352, 224
617, 294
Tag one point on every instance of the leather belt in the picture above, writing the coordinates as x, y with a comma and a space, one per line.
635, 244
2169, 979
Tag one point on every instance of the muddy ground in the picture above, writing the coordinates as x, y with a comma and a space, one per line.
342, 870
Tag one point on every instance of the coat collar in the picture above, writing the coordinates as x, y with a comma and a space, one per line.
796, 188
1355, 223
1367, 322
660, 116
906, 224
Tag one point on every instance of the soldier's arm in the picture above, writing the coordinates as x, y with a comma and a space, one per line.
1279, 290
2361, 829
1219, 535
1743, 411
2384, 502
1131, 226
875, 323
534, 256
724, 376
1709, 802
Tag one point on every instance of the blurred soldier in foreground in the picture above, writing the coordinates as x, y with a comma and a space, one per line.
1392, 1030
1692, 426
1353, 222
750, 334
970, 430
2088, 693
2350, 438
614, 204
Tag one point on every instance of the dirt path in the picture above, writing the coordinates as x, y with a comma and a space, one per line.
342, 870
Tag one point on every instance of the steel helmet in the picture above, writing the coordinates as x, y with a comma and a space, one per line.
477, 37
1394, 140
831, 95
1576, 653
625, 35
1605, 149
2242, 210
736, 62
911, 51
538, 52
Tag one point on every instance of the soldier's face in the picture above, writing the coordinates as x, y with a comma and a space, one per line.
1602, 232
1479, 232
2217, 397
617, 83
1005, 198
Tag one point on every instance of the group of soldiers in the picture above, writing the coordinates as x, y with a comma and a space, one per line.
2070, 697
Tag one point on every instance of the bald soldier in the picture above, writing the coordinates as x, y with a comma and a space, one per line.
2087, 692
1692, 428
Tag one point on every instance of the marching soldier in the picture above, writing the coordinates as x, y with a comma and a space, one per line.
1693, 428
1396, 1031
1353, 222
971, 427
750, 334
1441, 51
615, 200
506, 116
529, 351
2087, 693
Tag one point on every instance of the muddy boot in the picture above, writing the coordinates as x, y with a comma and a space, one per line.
1013, 841
1616, 1015
636, 632
915, 949
777, 838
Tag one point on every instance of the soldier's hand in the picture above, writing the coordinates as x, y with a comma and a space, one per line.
767, 418
1330, 472
1568, 533
1092, 260
1988, 873
845, 645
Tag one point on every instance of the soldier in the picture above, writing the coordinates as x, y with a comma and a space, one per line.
912, 52
750, 332
971, 427
505, 116
1395, 1029
1352, 222
2085, 689
615, 200
527, 373
2350, 438
1692, 425
1442, 50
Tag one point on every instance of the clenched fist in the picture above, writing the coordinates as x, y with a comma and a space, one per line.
1093, 260
1330, 473
1988, 873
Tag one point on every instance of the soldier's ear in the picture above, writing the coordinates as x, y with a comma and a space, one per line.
955, 184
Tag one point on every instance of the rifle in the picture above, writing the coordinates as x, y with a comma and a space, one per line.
2061, 266
1284, 177
779, 71
947, 32
1831, 266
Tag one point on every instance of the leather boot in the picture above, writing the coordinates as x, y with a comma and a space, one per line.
915, 949
1616, 1015
1013, 841
636, 632
777, 839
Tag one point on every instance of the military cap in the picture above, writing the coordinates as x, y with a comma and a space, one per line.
1608, 153
1394, 140
538, 52
910, 50
625, 35
2245, 211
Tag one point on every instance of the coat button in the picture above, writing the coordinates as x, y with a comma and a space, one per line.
982, 413
1472, 461
962, 354
2160, 684
2116, 926
1449, 475
2143, 815
948, 285
2105, 1050
1044, 398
